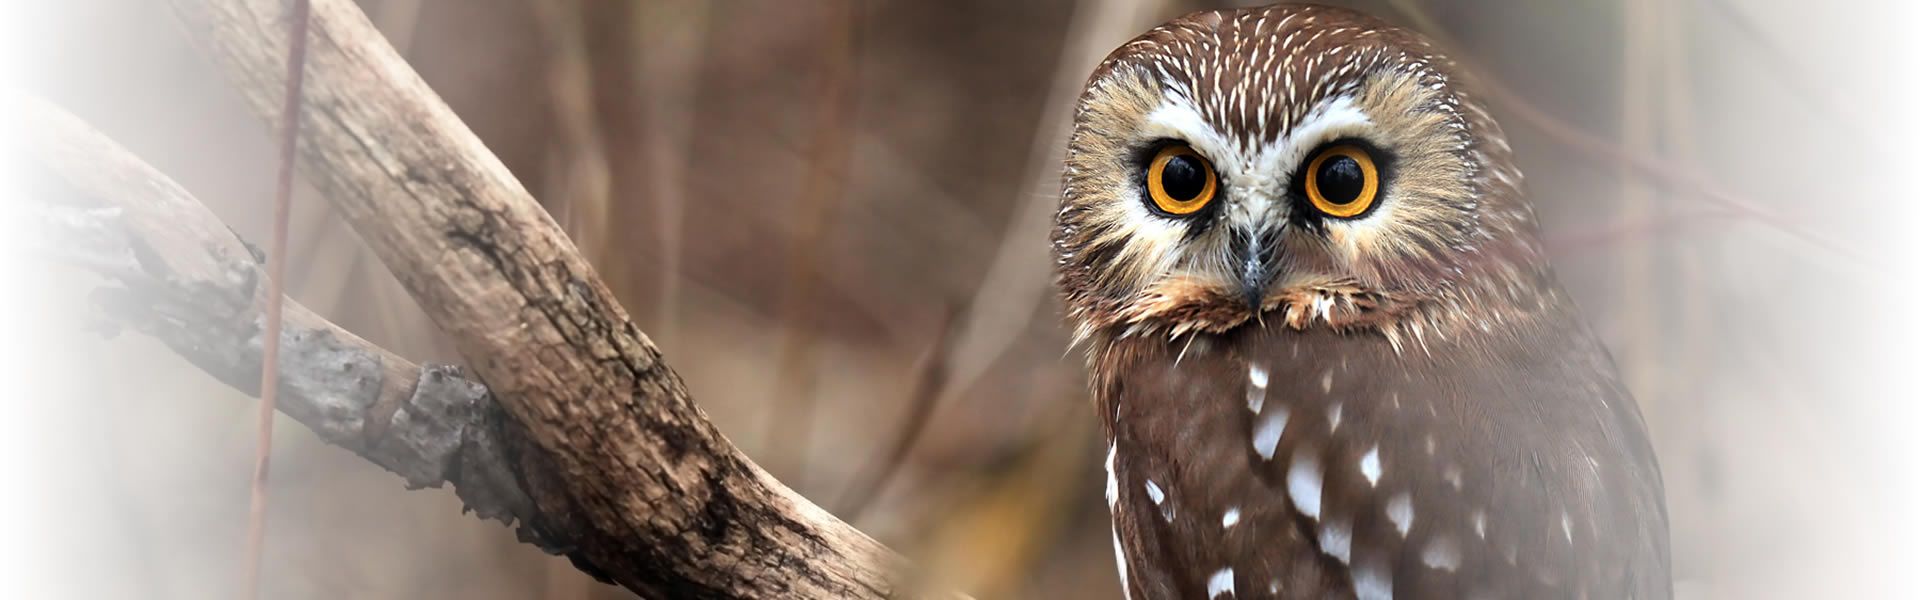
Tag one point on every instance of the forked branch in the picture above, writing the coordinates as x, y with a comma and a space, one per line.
611, 460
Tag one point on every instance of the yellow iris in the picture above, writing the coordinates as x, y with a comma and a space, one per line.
1343, 181
1180, 181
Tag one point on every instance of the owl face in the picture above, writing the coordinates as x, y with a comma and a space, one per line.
1304, 160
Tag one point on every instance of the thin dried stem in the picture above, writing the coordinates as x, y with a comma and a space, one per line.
667, 41
276, 280
1642, 48
1650, 168
581, 195
928, 383
1014, 286
1795, 75
789, 432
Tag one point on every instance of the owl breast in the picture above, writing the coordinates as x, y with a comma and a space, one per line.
1272, 462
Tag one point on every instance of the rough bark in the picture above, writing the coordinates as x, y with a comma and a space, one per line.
182, 277
595, 446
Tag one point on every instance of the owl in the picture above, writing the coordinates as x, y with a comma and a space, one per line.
1326, 348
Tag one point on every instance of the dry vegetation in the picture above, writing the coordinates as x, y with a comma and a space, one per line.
829, 216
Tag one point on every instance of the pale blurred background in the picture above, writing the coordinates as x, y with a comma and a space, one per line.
794, 199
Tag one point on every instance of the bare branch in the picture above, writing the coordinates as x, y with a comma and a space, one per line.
191, 283
640, 487
188, 281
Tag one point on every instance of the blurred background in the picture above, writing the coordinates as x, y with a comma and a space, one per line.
831, 216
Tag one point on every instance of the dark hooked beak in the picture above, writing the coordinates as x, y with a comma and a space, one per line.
1253, 253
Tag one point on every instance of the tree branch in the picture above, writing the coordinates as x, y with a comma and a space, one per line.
622, 471
191, 283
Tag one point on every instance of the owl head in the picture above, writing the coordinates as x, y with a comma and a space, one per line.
1303, 164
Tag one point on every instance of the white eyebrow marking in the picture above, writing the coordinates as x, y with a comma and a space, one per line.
1221, 583
1370, 465
1303, 484
1176, 117
1400, 511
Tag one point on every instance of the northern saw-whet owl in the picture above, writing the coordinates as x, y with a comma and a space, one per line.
1326, 347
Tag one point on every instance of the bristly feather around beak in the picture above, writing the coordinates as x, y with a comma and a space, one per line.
1254, 257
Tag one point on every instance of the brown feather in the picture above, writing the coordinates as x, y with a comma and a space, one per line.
1421, 368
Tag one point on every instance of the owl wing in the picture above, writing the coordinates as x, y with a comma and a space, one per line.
1280, 463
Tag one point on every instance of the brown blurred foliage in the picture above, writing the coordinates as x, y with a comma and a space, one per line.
794, 199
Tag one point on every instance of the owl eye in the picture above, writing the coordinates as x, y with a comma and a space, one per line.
1343, 181
1180, 181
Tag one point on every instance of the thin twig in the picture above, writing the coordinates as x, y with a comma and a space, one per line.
1015, 284
276, 278
1795, 75
1650, 168
929, 382
580, 195
669, 41
1639, 278
792, 423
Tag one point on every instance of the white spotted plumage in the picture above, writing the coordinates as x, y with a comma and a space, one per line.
1295, 385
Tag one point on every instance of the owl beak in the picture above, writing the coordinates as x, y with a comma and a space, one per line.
1253, 250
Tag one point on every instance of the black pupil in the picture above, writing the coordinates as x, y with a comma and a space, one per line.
1340, 179
1183, 179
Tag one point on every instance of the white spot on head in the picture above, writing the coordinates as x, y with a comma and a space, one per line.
1303, 484
1372, 584
1441, 553
1221, 583
1231, 518
1178, 118
1480, 523
1326, 381
1370, 465
1400, 511
1273, 586
1257, 375
1333, 118
1333, 417
1266, 436
1336, 539
1153, 491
